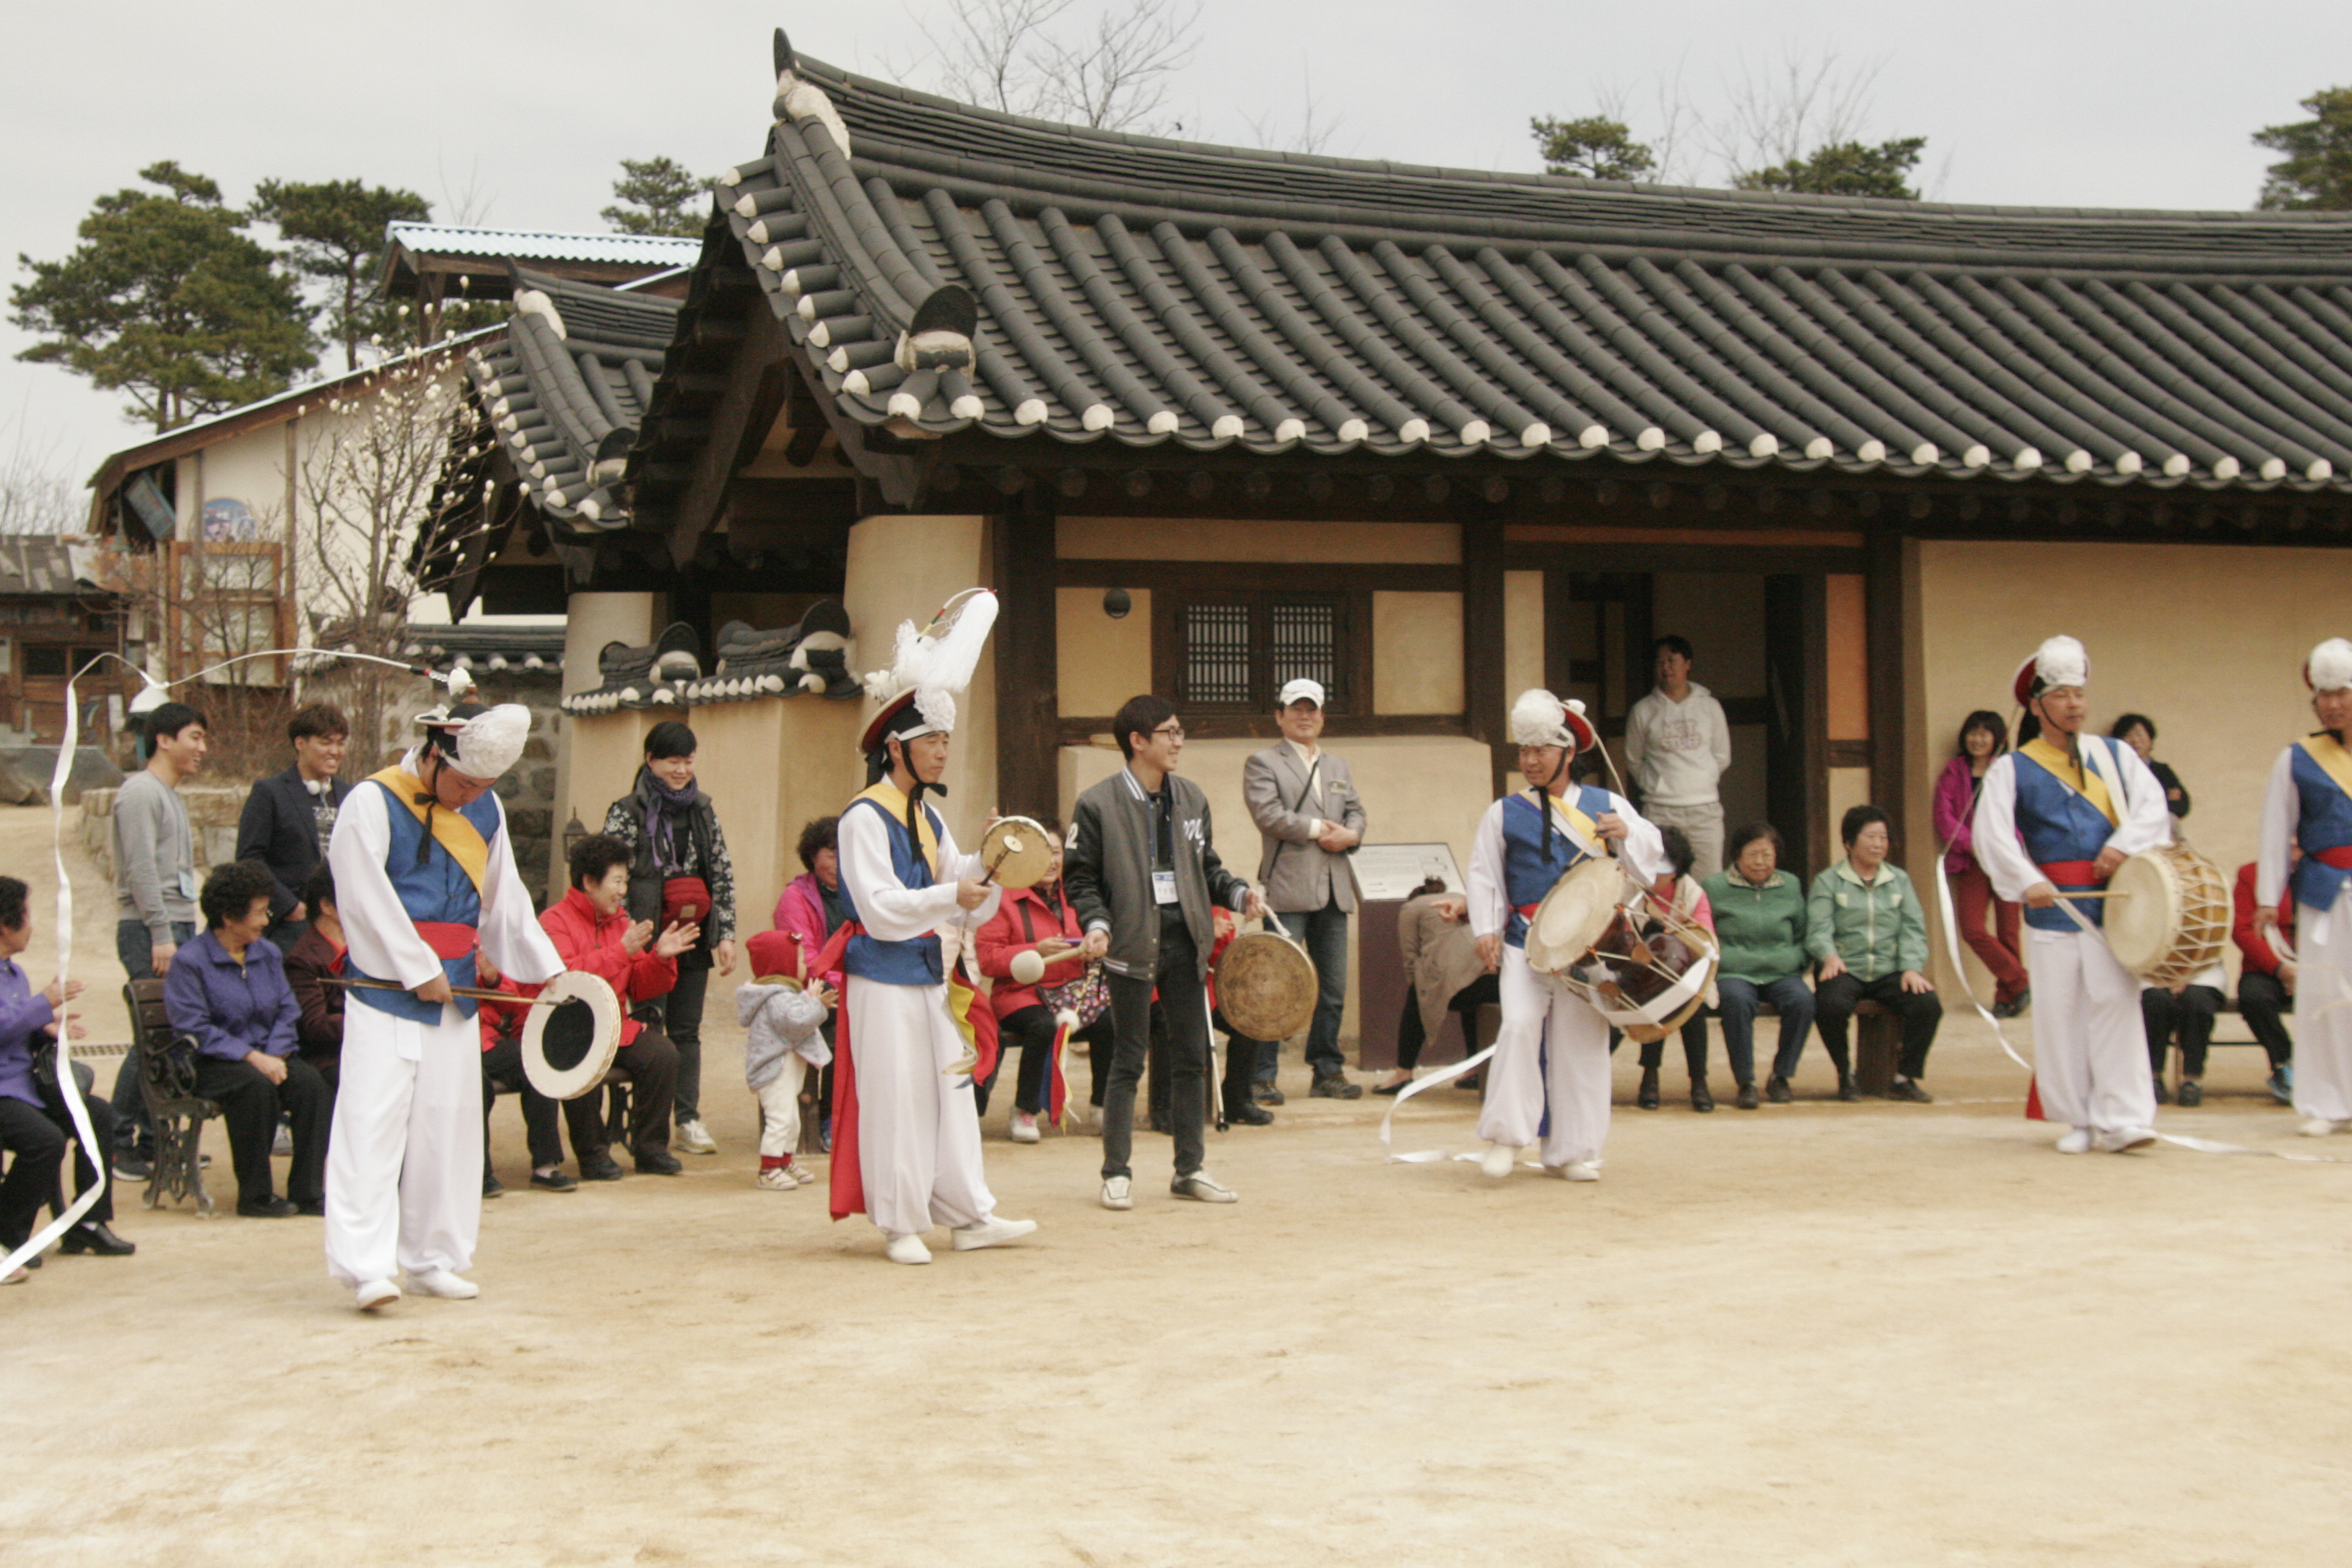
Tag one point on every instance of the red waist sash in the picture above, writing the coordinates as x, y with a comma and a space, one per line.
1527, 911
2072, 873
447, 939
2338, 859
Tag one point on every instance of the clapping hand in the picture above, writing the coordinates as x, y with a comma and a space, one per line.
636, 938
677, 939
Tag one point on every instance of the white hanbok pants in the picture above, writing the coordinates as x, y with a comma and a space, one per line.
779, 1107
918, 1129
2090, 1047
404, 1159
2322, 1012
1553, 1046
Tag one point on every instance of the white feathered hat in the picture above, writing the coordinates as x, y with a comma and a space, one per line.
2059, 662
488, 741
1539, 718
928, 669
2329, 667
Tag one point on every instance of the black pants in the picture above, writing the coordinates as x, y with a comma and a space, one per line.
1185, 1004
2261, 1001
651, 1061
1244, 1056
682, 1022
1834, 1001
1411, 1038
251, 1105
2189, 1015
1653, 1052
1031, 1029
502, 1069
35, 1137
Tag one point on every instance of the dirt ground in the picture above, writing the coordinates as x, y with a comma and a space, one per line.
1869, 1334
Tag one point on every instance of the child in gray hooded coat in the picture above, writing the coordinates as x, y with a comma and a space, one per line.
784, 1021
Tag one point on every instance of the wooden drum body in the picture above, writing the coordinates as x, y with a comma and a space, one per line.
2167, 915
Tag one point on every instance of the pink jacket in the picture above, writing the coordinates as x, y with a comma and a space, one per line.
801, 912
1956, 803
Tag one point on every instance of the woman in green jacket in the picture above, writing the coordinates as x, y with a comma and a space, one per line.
1760, 924
1870, 937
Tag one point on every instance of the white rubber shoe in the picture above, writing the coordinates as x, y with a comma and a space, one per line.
448, 1286
1498, 1158
375, 1295
907, 1249
1580, 1170
2124, 1140
2315, 1127
1024, 1128
991, 1232
695, 1138
2077, 1141
1118, 1192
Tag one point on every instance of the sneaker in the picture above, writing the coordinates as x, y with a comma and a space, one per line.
1847, 1090
801, 1172
695, 1138
1118, 1192
132, 1168
1335, 1086
2077, 1141
1907, 1089
2124, 1140
1204, 1188
375, 1295
270, 1207
907, 1249
1776, 1089
777, 1179
2191, 1095
1024, 1127
991, 1232
441, 1282
1497, 1161
2281, 1085
1580, 1170
556, 1181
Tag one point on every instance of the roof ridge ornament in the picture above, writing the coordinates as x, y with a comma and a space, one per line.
799, 98
940, 337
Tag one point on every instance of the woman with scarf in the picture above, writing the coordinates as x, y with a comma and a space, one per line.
681, 859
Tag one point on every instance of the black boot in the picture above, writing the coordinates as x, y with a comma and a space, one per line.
1648, 1097
1839, 1059
1701, 1101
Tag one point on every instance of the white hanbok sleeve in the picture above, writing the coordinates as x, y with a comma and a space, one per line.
2147, 820
511, 936
1645, 849
1488, 910
887, 908
383, 939
1994, 836
2282, 815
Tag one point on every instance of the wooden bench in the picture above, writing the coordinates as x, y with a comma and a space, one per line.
167, 1081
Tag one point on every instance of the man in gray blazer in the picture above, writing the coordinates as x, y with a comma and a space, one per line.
1308, 821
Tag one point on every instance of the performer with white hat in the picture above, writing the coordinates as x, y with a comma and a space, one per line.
424, 877
2058, 815
1552, 1056
2309, 805
906, 1132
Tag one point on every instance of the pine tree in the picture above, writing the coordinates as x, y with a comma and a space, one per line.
664, 196
2316, 172
335, 232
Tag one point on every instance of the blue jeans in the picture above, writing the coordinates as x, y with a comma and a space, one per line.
1324, 934
132, 1128
1740, 998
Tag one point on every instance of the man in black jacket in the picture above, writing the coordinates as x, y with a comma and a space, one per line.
288, 817
1143, 873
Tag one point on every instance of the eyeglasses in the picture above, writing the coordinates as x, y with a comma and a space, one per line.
1174, 729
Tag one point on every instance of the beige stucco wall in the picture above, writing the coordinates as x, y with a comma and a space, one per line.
2205, 639
769, 766
1225, 539
1417, 653
1523, 632
905, 569
1416, 790
1100, 662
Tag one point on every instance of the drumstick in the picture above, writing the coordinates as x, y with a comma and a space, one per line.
2101, 893
476, 992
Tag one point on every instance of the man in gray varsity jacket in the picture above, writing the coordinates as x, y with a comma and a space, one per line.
1309, 821
1142, 872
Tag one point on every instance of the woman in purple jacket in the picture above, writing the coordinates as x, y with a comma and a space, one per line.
1983, 737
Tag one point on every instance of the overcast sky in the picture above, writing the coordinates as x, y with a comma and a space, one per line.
526, 110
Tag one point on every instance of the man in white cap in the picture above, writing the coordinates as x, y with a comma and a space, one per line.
424, 881
2055, 817
906, 1149
2309, 807
1551, 1059
1309, 821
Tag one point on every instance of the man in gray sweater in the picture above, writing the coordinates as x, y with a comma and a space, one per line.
154, 891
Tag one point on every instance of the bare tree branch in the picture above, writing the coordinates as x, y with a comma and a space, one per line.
1033, 58
37, 495
1315, 129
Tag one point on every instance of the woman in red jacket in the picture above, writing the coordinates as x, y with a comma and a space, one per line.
1984, 735
1036, 920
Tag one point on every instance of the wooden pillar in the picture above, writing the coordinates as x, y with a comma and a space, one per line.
1485, 705
1796, 653
1888, 612
1028, 651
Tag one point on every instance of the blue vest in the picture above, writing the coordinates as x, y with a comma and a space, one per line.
2323, 821
915, 962
439, 889
1536, 853
2058, 825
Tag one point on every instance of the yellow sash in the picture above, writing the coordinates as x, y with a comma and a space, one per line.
450, 829
2081, 781
2333, 759
893, 802
1582, 829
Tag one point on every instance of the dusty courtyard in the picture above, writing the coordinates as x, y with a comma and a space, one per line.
1871, 1334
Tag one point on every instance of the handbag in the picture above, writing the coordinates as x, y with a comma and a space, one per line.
1085, 993
682, 893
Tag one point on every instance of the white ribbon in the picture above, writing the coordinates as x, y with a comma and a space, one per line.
1959, 969
77, 1110
1444, 1075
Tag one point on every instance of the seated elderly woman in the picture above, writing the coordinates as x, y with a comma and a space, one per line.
227, 991
1868, 929
316, 957
34, 1120
1759, 924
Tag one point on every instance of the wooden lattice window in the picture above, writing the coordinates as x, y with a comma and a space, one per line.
1236, 650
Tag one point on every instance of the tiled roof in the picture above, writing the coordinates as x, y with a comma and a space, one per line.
566, 388
1147, 291
33, 565
526, 245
